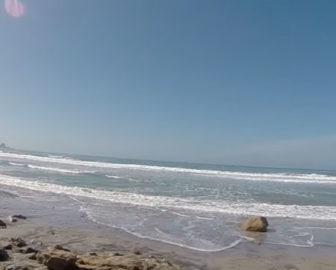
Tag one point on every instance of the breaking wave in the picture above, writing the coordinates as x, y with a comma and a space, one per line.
58, 169
225, 207
273, 177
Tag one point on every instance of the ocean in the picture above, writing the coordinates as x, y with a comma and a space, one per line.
197, 206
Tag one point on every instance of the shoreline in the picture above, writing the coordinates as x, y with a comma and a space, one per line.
99, 238
249, 256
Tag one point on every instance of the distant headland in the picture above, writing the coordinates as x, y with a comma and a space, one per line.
4, 146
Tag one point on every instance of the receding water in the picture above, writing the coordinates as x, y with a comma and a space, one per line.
193, 205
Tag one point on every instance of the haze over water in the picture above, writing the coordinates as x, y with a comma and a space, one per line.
198, 206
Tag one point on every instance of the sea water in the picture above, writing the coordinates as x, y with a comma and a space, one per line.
197, 206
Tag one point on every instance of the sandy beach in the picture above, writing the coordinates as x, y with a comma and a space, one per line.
55, 218
76, 233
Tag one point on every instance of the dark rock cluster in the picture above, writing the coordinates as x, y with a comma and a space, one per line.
15, 254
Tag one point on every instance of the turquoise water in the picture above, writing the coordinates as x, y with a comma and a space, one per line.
198, 206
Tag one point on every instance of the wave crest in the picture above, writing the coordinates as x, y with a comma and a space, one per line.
225, 207
273, 177
57, 169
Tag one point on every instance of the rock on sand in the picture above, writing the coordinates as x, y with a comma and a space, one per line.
255, 224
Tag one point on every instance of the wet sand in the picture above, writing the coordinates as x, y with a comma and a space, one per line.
76, 232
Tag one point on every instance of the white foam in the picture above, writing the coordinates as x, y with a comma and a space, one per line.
55, 156
225, 207
231, 245
113, 176
319, 228
179, 214
57, 169
16, 164
204, 218
274, 177
309, 242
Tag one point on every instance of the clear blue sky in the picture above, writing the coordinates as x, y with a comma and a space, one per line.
236, 82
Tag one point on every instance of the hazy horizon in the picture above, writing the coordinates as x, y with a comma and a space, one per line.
159, 160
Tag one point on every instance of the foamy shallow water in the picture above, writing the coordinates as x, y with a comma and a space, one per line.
191, 205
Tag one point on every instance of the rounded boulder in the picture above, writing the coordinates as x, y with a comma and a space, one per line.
255, 224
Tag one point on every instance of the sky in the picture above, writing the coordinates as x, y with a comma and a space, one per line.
228, 82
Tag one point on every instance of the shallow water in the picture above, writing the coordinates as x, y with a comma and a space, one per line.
193, 205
